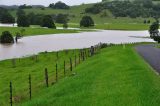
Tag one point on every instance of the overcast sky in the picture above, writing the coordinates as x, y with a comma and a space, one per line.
45, 2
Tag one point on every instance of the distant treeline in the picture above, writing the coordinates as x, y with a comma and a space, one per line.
57, 5
133, 8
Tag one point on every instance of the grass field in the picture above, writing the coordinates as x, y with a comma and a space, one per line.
108, 22
113, 77
77, 12
35, 31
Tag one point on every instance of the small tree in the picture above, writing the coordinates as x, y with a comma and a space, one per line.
6, 37
154, 32
23, 21
48, 22
154, 27
148, 21
86, 21
65, 25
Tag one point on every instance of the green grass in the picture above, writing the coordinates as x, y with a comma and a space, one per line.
123, 26
112, 26
35, 31
113, 77
77, 12
108, 22
19, 74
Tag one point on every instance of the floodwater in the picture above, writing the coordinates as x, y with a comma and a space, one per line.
54, 42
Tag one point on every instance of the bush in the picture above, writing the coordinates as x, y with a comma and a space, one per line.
65, 25
154, 27
61, 18
156, 38
86, 21
6, 37
48, 22
23, 21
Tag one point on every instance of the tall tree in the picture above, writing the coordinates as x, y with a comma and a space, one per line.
48, 22
22, 19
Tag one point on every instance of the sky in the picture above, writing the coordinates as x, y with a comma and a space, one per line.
45, 2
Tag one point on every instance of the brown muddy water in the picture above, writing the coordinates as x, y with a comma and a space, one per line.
54, 42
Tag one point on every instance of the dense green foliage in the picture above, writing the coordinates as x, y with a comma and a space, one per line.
154, 27
61, 18
86, 21
35, 19
133, 9
6, 37
154, 31
5, 16
48, 22
22, 20
59, 5
24, 6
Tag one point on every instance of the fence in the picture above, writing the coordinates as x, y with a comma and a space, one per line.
73, 61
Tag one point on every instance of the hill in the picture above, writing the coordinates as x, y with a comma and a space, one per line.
77, 12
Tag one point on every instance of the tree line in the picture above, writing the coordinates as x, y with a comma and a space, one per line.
5, 16
133, 9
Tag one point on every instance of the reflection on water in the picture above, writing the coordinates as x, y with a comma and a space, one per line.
35, 44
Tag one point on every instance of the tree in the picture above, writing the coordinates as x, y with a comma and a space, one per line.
7, 18
65, 25
154, 27
20, 12
6, 37
62, 18
59, 5
86, 21
48, 22
23, 21
24, 6
154, 32
51, 5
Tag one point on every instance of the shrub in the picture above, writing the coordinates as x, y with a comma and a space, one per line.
65, 25
156, 38
6, 37
48, 22
86, 21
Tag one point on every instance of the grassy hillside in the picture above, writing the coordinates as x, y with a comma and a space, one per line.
77, 12
110, 78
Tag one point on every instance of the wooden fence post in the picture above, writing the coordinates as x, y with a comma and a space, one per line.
64, 68
46, 76
86, 53
11, 102
56, 73
79, 58
70, 64
75, 60
83, 56
30, 87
